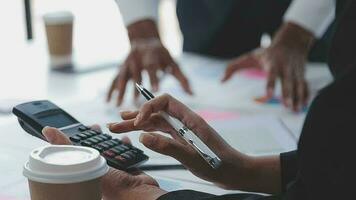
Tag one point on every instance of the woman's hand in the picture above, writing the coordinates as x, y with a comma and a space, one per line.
147, 54
116, 184
285, 59
236, 169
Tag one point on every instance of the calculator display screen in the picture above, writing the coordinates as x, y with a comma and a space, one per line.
56, 120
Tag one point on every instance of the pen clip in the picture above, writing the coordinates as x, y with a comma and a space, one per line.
213, 162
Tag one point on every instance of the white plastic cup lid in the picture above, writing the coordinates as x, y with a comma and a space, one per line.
58, 17
60, 164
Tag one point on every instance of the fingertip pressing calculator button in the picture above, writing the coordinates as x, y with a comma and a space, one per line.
109, 153
74, 138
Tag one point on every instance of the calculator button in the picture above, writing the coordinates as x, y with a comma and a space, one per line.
125, 155
93, 140
116, 141
104, 145
108, 137
86, 143
88, 135
116, 151
98, 138
82, 136
120, 158
92, 132
102, 136
75, 138
82, 128
109, 153
125, 147
119, 148
130, 153
110, 143
99, 148
136, 150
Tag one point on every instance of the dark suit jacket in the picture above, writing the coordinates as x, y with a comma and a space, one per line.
324, 166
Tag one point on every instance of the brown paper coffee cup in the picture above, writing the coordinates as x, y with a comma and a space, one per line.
58, 172
88, 190
59, 31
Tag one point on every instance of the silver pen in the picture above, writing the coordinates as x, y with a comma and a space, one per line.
204, 151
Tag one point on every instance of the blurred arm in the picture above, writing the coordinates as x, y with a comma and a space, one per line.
136, 10
313, 15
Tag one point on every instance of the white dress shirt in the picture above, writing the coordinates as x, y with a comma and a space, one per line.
313, 15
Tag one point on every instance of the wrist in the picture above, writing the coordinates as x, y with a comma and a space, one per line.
143, 30
293, 37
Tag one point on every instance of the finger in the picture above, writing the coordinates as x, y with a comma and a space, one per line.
111, 90
96, 127
271, 82
176, 72
152, 74
301, 97
168, 146
287, 92
243, 62
121, 85
54, 136
136, 76
126, 140
123, 127
126, 115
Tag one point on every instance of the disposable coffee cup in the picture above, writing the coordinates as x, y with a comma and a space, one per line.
58, 172
59, 31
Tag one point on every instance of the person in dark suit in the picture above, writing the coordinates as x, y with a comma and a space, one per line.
231, 29
322, 168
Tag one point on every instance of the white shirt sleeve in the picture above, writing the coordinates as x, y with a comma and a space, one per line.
313, 15
135, 10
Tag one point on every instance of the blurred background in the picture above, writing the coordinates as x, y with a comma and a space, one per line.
99, 38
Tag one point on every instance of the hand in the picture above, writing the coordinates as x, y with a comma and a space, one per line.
235, 171
147, 53
284, 59
116, 184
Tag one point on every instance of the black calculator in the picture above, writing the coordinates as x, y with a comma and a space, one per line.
34, 116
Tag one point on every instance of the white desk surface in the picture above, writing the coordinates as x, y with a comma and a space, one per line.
29, 78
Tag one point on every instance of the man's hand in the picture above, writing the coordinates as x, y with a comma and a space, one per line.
147, 53
285, 59
116, 184
236, 171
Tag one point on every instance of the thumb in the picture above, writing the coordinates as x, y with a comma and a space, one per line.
55, 136
167, 146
